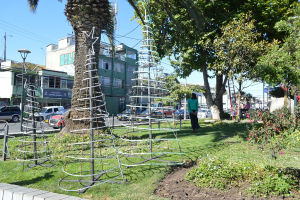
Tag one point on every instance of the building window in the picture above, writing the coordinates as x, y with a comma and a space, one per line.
51, 82
131, 55
118, 67
70, 84
67, 59
57, 82
105, 81
63, 83
45, 81
130, 76
122, 104
119, 83
105, 64
18, 79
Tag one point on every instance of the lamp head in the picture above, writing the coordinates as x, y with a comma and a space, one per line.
24, 52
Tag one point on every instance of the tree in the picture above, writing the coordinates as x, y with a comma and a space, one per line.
177, 91
237, 50
83, 15
281, 64
187, 43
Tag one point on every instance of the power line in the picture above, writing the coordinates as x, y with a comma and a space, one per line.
129, 32
25, 31
26, 36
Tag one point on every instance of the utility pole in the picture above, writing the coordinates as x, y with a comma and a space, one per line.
5, 45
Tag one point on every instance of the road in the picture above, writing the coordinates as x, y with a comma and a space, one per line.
15, 127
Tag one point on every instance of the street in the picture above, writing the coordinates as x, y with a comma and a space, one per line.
15, 127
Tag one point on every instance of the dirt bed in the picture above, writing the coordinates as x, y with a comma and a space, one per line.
174, 186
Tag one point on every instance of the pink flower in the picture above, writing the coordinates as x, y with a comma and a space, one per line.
281, 152
249, 147
248, 139
250, 121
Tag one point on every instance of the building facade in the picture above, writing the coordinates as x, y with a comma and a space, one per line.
54, 88
115, 72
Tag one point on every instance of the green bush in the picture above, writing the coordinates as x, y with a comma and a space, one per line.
225, 173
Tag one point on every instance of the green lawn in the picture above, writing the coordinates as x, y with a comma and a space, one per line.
220, 140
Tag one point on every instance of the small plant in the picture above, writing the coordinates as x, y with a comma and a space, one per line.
224, 173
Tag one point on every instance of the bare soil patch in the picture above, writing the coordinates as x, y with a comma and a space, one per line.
174, 186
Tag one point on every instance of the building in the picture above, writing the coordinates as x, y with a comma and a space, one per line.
54, 87
115, 72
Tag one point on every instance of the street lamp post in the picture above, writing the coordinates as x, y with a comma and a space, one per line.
5, 45
24, 53
44, 55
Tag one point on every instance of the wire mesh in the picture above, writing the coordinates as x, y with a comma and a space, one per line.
33, 149
155, 143
92, 157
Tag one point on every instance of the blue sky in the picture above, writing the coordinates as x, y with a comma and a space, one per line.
35, 31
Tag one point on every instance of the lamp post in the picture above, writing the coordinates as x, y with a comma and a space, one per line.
5, 45
44, 55
24, 53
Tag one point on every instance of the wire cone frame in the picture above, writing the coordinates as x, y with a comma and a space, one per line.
33, 149
157, 142
92, 157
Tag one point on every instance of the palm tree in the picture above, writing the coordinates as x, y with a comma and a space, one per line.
83, 15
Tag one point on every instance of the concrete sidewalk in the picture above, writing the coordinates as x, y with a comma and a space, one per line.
15, 192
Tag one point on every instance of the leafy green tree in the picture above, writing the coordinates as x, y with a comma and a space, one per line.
187, 44
237, 50
281, 64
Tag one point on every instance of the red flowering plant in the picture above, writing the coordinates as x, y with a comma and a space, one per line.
275, 130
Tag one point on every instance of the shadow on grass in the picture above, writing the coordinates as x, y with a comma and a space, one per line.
47, 176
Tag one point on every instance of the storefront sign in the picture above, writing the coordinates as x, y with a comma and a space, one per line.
63, 94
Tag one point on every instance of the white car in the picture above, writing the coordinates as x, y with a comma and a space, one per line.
204, 113
47, 111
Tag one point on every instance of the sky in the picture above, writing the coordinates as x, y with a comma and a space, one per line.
35, 31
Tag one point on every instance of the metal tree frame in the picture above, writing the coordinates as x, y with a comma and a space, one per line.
92, 157
153, 150
33, 142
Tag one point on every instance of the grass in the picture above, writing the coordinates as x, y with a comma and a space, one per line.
227, 140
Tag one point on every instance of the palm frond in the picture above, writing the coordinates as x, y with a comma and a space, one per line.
133, 4
110, 32
33, 4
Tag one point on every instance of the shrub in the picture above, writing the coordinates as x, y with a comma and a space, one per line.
276, 129
224, 173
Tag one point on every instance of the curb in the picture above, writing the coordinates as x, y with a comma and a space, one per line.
10, 192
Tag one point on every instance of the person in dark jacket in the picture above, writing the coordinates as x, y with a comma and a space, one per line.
193, 108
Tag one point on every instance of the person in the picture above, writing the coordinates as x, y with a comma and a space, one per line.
193, 109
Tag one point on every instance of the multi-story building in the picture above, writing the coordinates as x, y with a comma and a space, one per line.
53, 87
115, 72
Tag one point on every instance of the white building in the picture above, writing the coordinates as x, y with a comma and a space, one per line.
61, 57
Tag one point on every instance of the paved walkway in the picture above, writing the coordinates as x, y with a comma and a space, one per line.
15, 192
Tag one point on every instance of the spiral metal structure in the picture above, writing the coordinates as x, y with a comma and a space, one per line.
34, 149
92, 157
158, 143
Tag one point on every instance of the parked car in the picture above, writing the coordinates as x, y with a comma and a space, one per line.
47, 111
168, 111
10, 113
144, 116
204, 113
56, 121
179, 114
126, 113
60, 112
